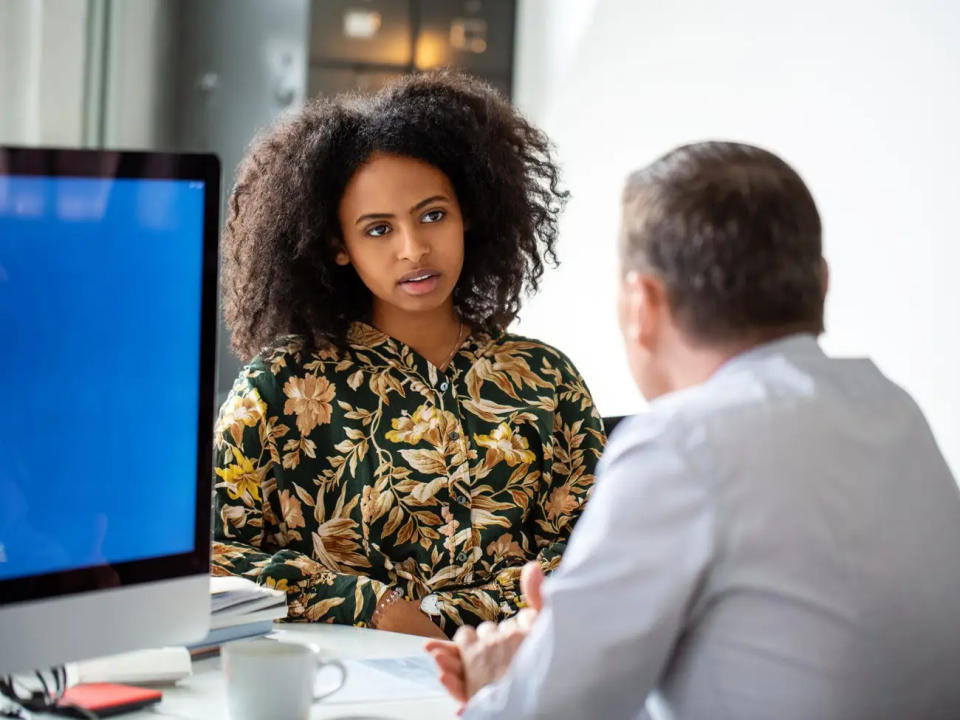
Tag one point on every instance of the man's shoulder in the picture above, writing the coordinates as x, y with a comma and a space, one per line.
729, 404
671, 417
768, 404
660, 429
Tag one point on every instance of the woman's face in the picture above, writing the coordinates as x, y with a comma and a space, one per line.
402, 232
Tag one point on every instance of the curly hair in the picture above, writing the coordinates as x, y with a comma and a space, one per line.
282, 231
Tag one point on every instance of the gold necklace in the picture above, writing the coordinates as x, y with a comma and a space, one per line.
456, 346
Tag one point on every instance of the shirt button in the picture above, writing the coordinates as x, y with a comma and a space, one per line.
444, 385
463, 499
454, 435
462, 557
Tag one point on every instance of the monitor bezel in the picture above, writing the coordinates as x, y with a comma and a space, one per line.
118, 164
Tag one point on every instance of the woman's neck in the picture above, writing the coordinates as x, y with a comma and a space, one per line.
434, 334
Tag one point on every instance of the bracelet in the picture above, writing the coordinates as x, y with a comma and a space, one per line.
388, 599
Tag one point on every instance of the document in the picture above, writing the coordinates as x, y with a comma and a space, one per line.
412, 677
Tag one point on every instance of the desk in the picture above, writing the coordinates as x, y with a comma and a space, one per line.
202, 696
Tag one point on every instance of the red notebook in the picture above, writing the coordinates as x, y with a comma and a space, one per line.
106, 699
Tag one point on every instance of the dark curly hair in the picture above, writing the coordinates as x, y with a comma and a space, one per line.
282, 231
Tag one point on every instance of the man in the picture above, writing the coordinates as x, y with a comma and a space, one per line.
778, 536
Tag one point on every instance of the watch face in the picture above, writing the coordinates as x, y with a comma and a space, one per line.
430, 605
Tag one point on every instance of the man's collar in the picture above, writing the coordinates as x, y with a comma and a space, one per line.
793, 345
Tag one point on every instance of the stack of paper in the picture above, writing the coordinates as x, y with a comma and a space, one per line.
240, 608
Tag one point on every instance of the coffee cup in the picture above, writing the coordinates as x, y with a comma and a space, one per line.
271, 680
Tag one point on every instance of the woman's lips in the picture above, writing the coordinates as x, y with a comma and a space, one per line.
420, 283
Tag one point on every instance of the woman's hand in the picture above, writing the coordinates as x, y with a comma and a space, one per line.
405, 616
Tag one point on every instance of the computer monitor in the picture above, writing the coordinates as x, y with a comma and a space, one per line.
108, 274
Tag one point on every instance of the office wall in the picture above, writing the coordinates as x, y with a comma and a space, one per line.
42, 61
88, 72
140, 93
241, 63
14, 43
861, 97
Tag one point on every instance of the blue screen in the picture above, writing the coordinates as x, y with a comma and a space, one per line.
100, 298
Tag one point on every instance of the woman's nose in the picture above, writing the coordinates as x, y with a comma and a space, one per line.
412, 247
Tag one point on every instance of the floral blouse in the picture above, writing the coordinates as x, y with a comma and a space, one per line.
343, 473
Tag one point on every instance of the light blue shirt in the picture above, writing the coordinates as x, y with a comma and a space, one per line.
782, 541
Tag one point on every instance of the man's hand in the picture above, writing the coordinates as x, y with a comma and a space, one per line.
531, 585
405, 616
449, 667
478, 657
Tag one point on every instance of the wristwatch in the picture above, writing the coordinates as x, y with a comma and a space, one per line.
430, 605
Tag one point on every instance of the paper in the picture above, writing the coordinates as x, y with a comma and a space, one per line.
141, 667
413, 677
237, 595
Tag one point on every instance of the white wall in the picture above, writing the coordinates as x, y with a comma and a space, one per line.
863, 98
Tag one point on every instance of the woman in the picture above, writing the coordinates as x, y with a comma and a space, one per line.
390, 456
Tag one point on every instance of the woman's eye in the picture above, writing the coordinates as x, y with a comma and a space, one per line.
378, 231
433, 216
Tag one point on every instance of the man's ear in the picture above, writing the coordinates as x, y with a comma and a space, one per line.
631, 306
645, 300
825, 271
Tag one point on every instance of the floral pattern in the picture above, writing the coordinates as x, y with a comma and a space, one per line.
343, 473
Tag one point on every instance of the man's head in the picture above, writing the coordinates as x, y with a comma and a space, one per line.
720, 250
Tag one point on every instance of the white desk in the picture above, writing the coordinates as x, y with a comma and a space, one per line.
202, 696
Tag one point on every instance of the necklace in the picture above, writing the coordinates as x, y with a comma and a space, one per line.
456, 345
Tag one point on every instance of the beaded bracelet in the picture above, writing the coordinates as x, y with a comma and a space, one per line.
386, 601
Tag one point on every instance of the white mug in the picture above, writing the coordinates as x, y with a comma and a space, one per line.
271, 680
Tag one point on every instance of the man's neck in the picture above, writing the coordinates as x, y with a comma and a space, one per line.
695, 366
433, 334
692, 363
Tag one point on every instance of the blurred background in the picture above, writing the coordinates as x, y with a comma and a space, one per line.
863, 98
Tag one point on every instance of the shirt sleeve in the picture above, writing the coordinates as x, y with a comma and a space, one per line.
576, 445
618, 602
246, 524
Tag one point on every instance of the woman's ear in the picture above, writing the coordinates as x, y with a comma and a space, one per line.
341, 257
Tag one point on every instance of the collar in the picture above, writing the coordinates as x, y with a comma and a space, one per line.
363, 336
790, 346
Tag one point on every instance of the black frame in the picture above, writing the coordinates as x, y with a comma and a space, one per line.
59, 162
610, 422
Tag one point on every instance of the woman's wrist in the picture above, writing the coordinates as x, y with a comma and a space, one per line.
390, 597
